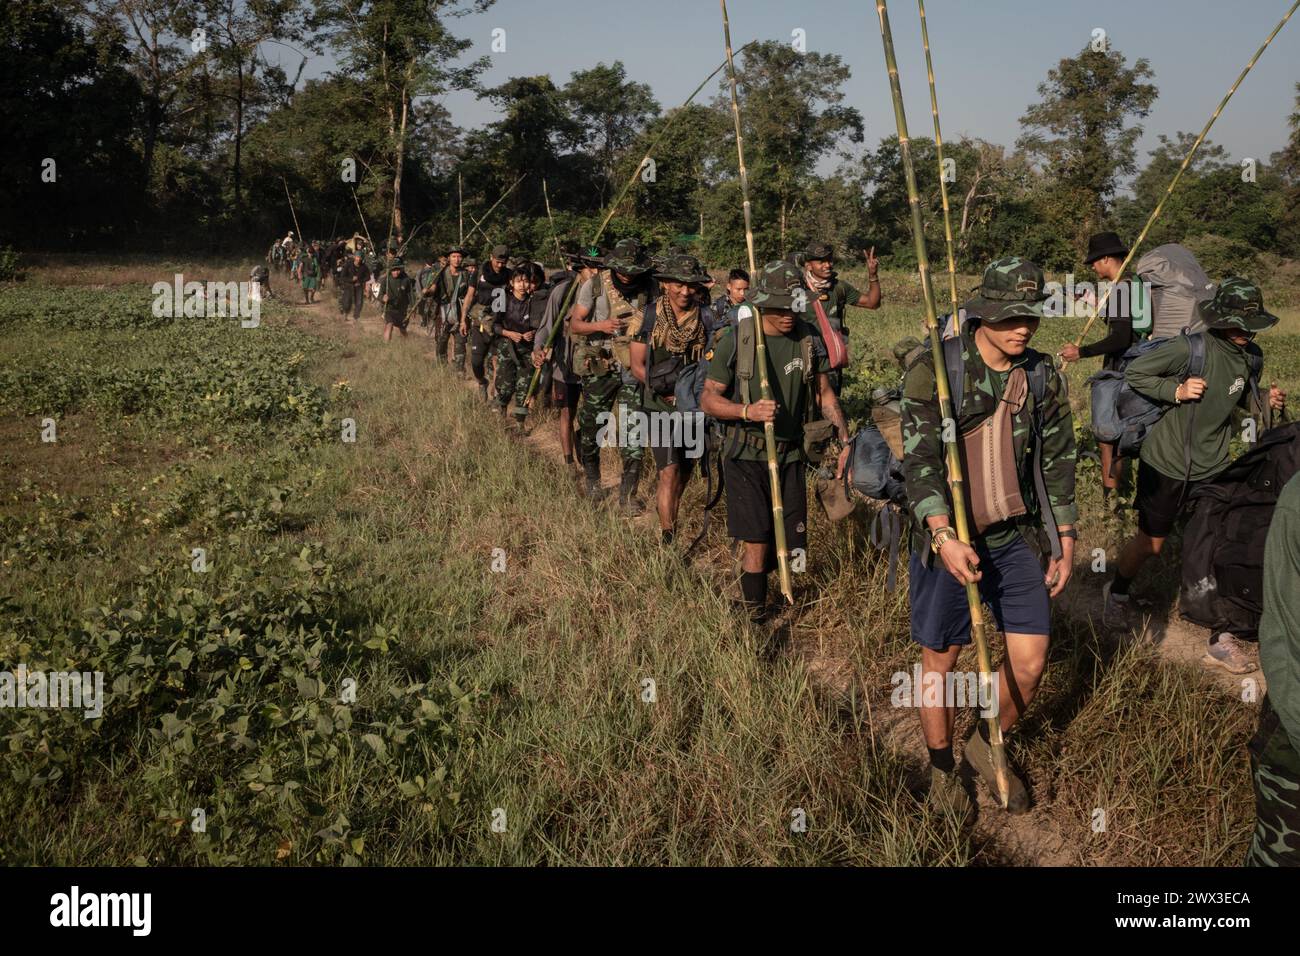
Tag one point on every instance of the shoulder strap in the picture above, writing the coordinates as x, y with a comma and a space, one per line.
954, 363
744, 357
1195, 353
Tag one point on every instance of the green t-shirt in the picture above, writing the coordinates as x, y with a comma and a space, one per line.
835, 301
1157, 375
450, 289
1279, 627
785, 374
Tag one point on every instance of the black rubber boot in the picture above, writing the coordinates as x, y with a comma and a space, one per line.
591, 469
628, 502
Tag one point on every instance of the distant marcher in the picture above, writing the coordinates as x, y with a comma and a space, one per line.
513, 336
448, 290
353, 280
566, 385
485, 297
725, 305
397, 293
1128, 320
1190, 443
834, 294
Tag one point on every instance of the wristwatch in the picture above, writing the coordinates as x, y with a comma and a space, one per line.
941, 537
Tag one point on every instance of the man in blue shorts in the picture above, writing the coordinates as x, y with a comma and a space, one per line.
1016, 435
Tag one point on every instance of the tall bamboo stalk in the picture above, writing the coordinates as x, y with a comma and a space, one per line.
546, 196
460, 213
363, 220
1187, 160
760, 339
956, 480
610, 210
478, 226
938, 152
301, 237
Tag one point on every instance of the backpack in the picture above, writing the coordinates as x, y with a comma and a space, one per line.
1122, 415
1178, 286
1223, 546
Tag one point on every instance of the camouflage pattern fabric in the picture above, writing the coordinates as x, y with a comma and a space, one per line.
1237, 304
923, 460
449, 330
514, 372
1275, 773
1011, 287
605, 393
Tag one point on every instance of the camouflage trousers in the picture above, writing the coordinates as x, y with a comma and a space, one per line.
514, 373
1275, 772
605, 393
449, 330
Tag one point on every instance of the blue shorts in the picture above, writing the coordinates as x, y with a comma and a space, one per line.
1012, 586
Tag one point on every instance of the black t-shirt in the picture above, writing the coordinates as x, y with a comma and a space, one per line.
488, 280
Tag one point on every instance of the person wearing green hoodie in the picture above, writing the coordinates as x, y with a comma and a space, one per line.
1190, 443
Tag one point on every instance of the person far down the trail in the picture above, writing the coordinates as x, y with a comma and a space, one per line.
566, 386
1128, 319
675, 333
1016, 439
451, 281
485, 296
798, 373
608, 312
1190, 444
396, 292
513, 345
352, 285
834, 295
725, 305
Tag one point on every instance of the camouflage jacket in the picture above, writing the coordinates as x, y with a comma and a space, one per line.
923, 452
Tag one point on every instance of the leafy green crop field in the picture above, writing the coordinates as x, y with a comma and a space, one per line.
421, 648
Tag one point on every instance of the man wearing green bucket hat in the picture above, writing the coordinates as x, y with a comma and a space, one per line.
1190, 444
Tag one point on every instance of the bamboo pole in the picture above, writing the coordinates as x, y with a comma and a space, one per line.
1187, 160
363, 220
938, 152
760, 339
301, 238
609, 213
546, 196
460, 215
478, 224
956, 481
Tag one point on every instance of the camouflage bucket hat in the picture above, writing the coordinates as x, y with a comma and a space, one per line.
1011, 287
628, 257
818, 250
778, 286
501, 252
683, 268
1237, 304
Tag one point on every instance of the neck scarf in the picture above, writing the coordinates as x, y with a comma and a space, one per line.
815, 284
682, 336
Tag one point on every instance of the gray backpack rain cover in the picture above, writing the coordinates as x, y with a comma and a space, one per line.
1178, 285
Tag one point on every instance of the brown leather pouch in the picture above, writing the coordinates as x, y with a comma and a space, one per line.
991, 472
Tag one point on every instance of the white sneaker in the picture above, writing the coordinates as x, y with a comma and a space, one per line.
1231, 653
1114, 610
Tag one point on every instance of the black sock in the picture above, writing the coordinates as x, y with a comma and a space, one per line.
568, 459
753, 587
1120, 585
667, 534
942, 759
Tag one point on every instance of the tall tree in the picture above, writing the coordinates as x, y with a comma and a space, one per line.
610, 111
1081, 131
792, 108
405, 51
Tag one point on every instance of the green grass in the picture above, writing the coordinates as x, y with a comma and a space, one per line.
480, 691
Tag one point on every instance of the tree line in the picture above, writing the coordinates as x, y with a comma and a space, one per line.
165, 124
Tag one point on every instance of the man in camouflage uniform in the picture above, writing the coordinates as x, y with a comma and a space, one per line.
447, 293
485, 297
999, 423
1275, 751
606, 315
513, 345
397, 293
834, 294
566, 387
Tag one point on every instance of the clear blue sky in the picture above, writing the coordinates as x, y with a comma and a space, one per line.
990, 55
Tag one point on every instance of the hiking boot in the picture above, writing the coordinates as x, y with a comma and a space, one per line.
592, 488
1114, 610
519, 428
482, 391
1231, 653
980, 756
628, 503
947, 795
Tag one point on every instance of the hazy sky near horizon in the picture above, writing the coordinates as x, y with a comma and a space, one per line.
990, 56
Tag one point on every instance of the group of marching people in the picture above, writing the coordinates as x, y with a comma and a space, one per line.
621, 335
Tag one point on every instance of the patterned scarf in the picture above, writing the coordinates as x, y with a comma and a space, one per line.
684, 336
815, 284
